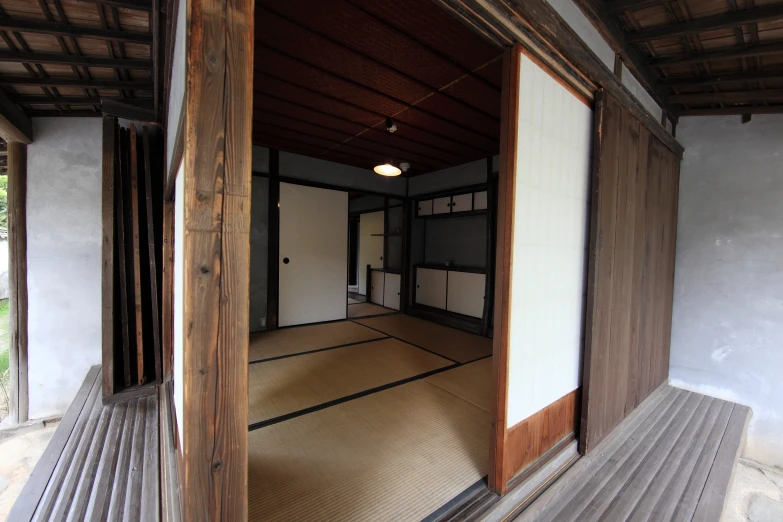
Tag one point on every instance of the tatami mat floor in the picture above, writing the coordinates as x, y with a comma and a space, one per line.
357, 310
379, 430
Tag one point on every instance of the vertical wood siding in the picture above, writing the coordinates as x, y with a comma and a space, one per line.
631, 269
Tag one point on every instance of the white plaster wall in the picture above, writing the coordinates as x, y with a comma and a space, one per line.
549, 242
179, 299
584, 28
63, 259
727, 329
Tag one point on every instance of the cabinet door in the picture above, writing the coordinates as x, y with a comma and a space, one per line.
425, 208
376, 287
462, 203
441, 205
480, 200
431, 287
466, 293
391, 291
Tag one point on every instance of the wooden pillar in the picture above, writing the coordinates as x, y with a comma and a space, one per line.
109, 130
17, 280
216, 257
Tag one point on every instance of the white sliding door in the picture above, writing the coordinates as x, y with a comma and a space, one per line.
370, 246
313, 254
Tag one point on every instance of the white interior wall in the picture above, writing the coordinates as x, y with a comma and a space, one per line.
370, 248
473, 173
177, 92
179, 289
64, 241
727, 327
549, 242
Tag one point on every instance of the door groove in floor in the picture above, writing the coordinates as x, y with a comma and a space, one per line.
286, 356
347, 398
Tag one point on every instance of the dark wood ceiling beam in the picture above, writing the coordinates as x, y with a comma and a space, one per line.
727, 97
68, 113
435, 89
56, 29
633, 58
709, 23
139, 5
75, 82
711, 79
621, 6
382, 117
15, 125
719, 54
406, 105
428, 158
734, 111
451, 153
27, 99
71, 59
127, 111
412, 38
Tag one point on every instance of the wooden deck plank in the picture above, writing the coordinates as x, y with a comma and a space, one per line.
671, 461
107, 467
33, 490
132, 509
661, 498
564, 489
589, 488
689, 499
714, 495
117, 500
150, 487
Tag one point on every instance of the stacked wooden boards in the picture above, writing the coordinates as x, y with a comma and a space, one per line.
137, 245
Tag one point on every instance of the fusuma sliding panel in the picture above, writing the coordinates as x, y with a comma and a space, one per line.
549, 243
313, 254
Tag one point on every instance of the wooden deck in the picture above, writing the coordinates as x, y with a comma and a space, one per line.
101, 464
671, 459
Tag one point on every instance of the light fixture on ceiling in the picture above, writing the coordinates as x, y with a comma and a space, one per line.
388, 168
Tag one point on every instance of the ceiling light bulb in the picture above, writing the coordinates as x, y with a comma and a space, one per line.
387, 169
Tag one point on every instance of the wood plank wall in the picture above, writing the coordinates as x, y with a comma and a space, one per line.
631, 269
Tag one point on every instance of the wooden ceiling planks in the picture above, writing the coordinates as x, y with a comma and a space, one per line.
60, 57
711, 56
328, 73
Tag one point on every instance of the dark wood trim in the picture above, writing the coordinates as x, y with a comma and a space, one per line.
107, 256
216, 251
17, 281
543, 31
53, 81
273, 246
613, 33
717, 78
152, 254
139, 5
512, 62
74, 59
122, 256
718, 54
136, 392
56, 29
136, 255
728, 97
465, 323
621, 6
34, 99
15, 125
734, 111
167, 292
709, 23
537, 435
127, 111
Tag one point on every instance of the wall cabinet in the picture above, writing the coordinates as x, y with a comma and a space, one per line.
376, 287
453, 204
385, 289
451, 290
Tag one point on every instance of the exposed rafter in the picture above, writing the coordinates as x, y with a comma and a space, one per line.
71, 59
621, 6
75, 82
27, 99
55, 29
734, 111
710, 79
728, 97
140, 5
719, 54
722, 21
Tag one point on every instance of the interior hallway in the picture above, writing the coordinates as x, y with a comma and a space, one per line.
381, 418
